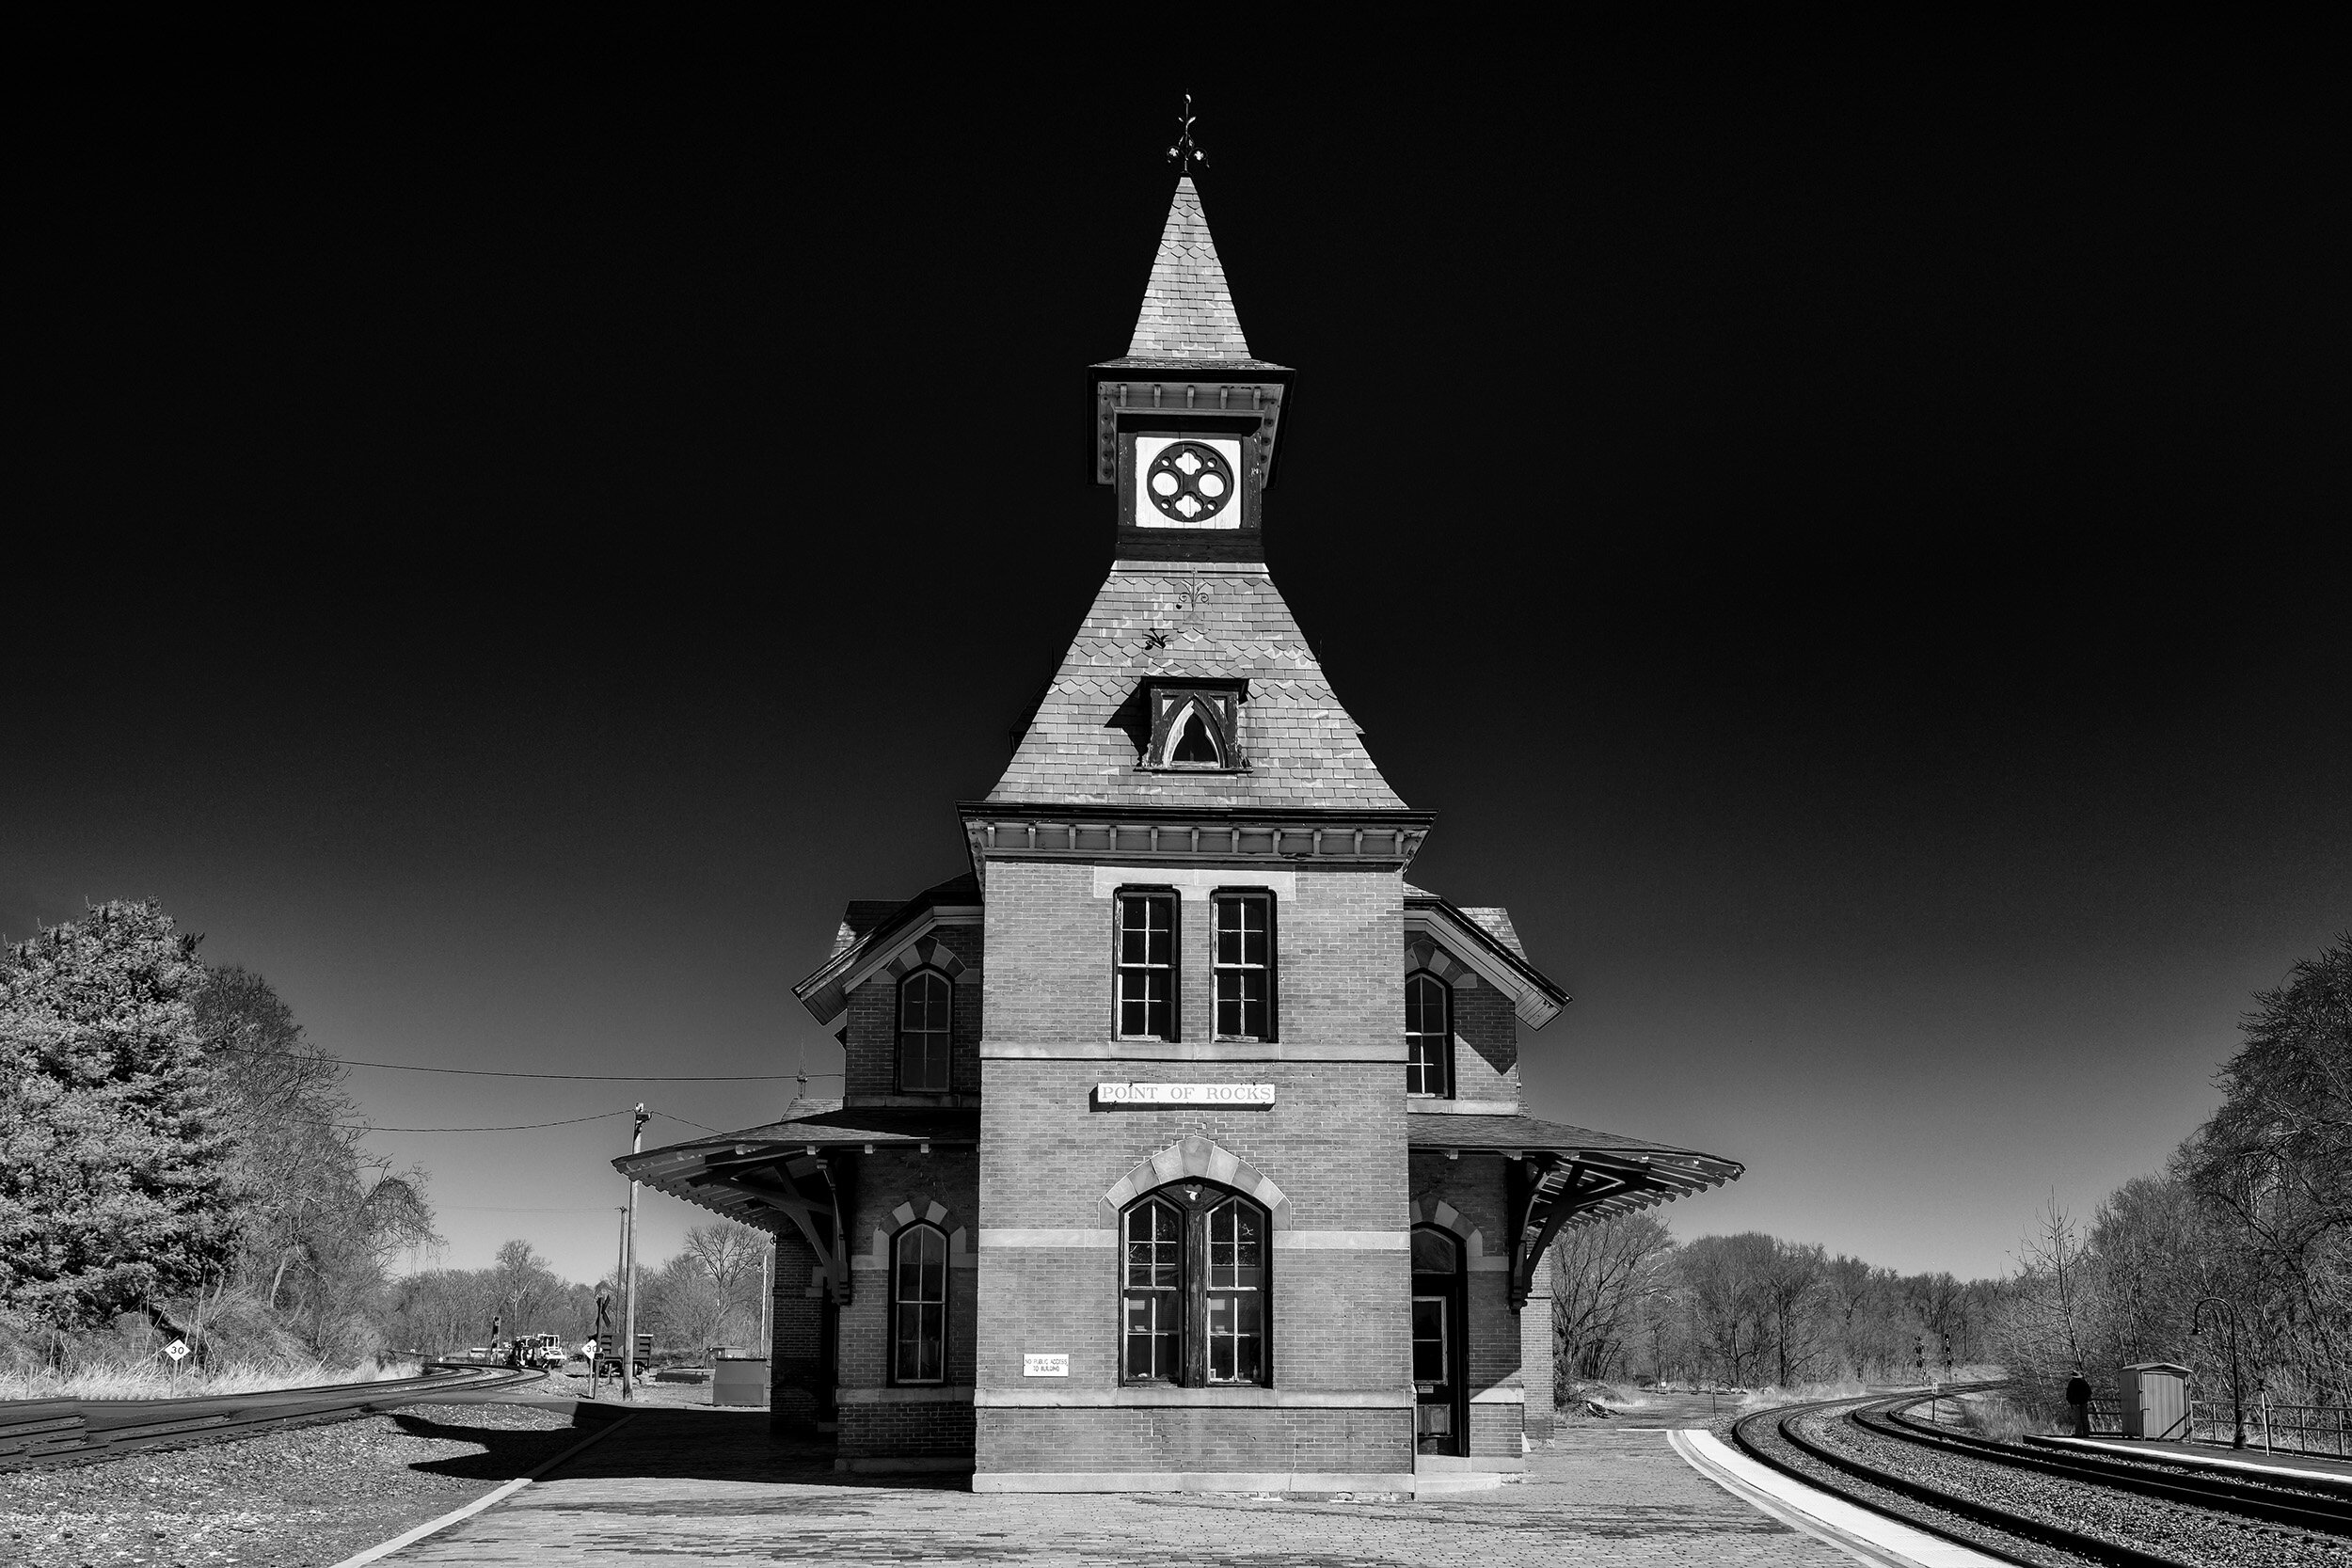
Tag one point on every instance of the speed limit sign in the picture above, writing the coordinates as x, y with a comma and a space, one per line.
177, 1350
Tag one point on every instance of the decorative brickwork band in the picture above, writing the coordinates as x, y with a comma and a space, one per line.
1199, 1157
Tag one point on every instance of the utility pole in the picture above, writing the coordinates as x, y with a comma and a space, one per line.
628, 1248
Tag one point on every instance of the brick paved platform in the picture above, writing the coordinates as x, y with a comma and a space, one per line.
684, 1487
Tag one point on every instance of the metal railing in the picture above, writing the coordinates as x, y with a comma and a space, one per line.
2312, 1429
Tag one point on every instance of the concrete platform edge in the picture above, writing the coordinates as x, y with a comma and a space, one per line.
1197, 1480
1861, 1535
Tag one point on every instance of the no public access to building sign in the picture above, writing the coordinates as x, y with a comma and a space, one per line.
1184, 1094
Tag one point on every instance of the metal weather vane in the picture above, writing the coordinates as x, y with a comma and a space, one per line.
1185, 153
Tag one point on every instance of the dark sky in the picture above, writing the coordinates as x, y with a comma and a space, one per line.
1859, 571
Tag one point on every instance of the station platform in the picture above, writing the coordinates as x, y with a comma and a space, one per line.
693, 1486
2304, 1470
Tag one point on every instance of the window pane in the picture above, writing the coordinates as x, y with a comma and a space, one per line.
1152, 1250
1429, 1339
1433, 1253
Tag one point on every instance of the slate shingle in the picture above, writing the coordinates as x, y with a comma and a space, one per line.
1187, 310
1302, 748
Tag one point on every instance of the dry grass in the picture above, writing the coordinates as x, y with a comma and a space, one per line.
2002, 1419
155, 1381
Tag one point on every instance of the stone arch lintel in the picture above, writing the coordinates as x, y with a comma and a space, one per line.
1196, 1155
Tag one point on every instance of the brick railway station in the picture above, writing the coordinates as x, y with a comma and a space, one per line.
1181, 1144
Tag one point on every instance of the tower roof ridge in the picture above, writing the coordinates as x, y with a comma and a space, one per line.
1187, 309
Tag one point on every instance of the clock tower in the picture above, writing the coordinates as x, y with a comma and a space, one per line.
1187, 424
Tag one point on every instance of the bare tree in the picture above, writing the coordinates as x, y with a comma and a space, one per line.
1603, 1271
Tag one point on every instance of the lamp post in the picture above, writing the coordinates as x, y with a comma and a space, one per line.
2237, 1400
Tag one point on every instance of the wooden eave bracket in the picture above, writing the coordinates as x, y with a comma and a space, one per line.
818, 1221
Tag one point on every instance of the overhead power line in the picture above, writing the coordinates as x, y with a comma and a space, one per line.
571, 1077
518, 1127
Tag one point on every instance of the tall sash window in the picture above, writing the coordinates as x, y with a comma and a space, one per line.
918, 1291
1194, 1288
1245, 967
1428, 1036
1147, 966
926, 1007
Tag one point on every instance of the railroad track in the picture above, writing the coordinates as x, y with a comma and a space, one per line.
2025, 1507
40, 1433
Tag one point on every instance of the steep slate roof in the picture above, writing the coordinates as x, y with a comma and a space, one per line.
1082, 746
1187, 310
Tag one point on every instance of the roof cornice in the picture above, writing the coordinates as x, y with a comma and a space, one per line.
1190, 835
1535, 997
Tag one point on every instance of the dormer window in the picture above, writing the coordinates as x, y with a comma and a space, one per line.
1190, 744
1194, 727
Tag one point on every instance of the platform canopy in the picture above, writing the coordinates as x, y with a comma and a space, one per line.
1563, 1176
783, 1173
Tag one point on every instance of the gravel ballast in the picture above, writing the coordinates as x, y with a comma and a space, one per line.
2184, 1533
297, 1499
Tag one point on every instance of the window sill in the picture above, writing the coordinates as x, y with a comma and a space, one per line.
1155, 1049
911, 1393
1149, 1394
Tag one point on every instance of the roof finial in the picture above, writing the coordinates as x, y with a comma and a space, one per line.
1185, 155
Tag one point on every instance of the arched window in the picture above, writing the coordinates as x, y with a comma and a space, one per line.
1193, 1296
1194, 743
1428, 1036
918, 1305
926, 1000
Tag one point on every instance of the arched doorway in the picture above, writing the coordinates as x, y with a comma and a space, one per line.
1440, 1344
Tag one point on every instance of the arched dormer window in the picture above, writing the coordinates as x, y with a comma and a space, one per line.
918, 1305
1195, 726
1193, 745
1428, 1036
926, 1006
1194, 1288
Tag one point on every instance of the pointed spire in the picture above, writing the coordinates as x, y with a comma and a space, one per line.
1187, 311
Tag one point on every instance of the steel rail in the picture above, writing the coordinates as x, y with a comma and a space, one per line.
2247, 1497
1784, 1421
57, 1431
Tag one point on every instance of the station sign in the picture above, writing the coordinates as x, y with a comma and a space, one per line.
1184, 1094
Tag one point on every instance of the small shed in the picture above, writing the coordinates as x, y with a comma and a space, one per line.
2155, 1402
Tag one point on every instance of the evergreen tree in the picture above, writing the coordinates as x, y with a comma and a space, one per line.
115, 1187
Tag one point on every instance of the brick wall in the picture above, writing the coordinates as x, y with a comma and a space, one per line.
1339, 980
885, 1179
794, 1379
1486, 1044
869, 1066
1163, 1440
934, 1429
1333, 1142
1537, 1352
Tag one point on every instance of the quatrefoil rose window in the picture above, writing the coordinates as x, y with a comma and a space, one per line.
1189, 481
